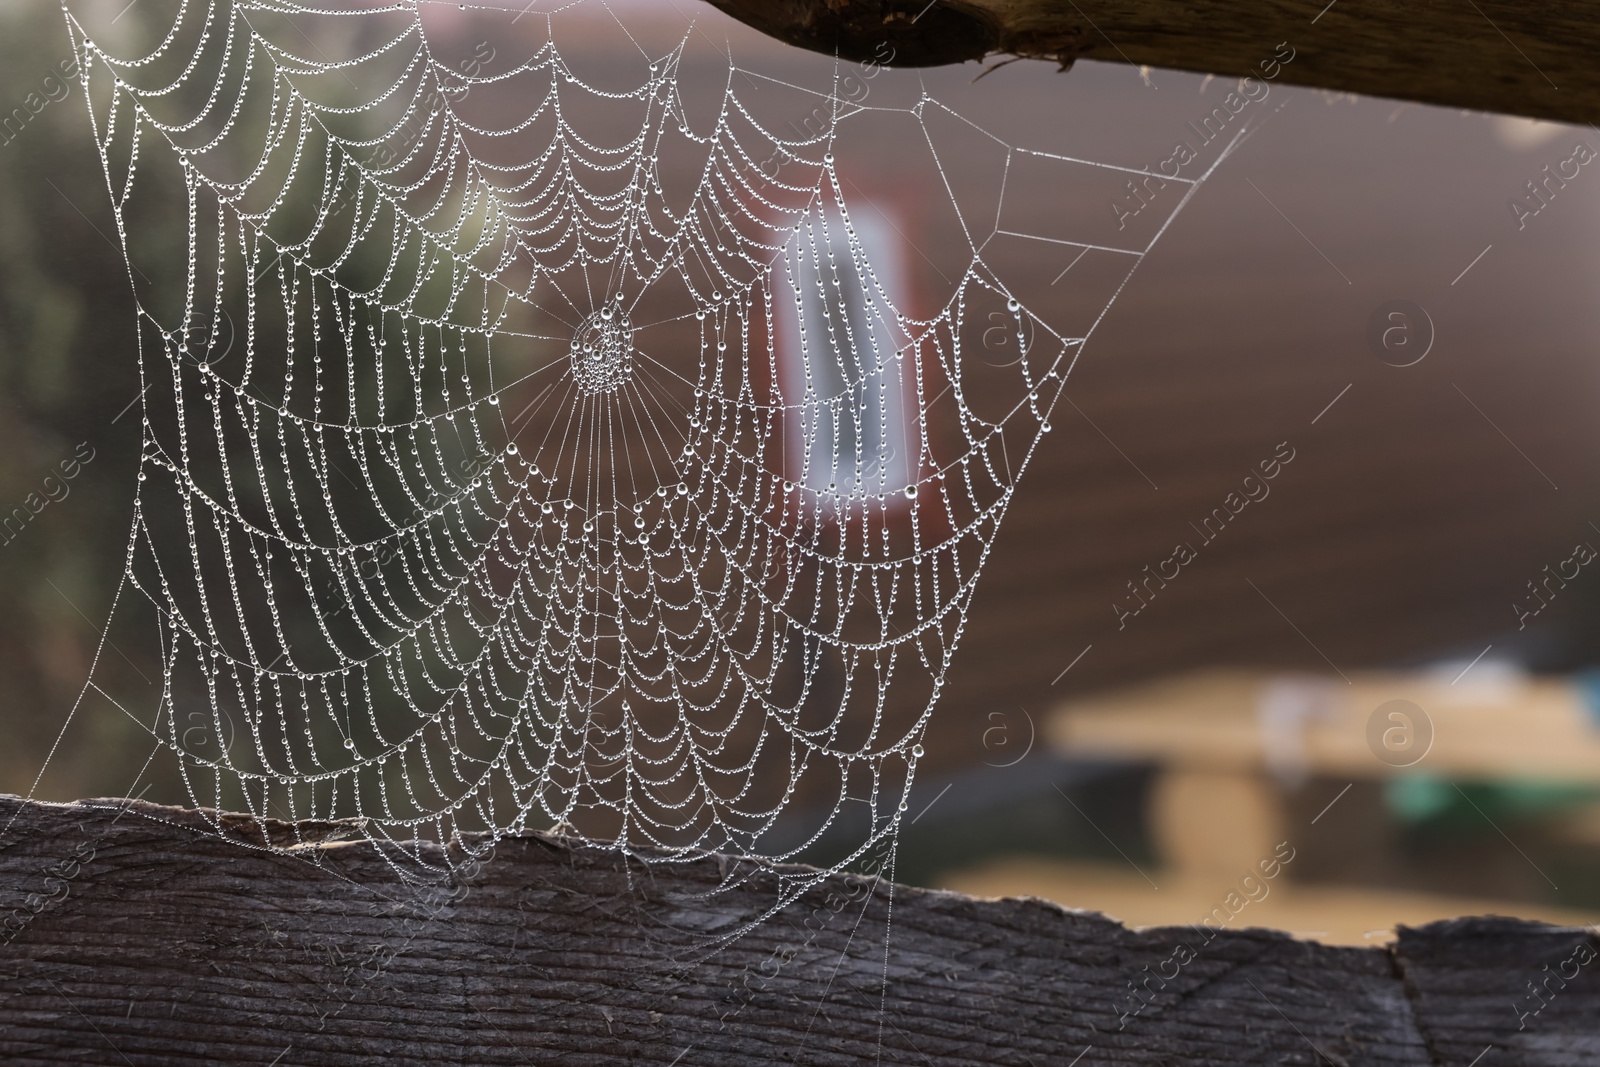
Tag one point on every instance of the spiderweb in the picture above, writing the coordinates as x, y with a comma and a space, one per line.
592, 467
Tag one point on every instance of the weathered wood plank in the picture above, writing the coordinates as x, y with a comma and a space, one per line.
1525, 59
137, 935
1527, 992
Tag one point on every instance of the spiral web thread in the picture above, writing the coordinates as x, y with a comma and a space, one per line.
516, 488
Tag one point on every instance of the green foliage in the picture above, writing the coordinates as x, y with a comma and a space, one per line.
68, 367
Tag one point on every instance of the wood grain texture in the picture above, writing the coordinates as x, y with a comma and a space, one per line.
1533, 59
165, 943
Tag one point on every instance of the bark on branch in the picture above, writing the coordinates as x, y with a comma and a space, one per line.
135, 934
1526, 59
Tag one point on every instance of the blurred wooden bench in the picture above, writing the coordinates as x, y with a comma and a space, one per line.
1227, 741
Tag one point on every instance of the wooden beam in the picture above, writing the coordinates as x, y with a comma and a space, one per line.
136, 934
1490, 55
